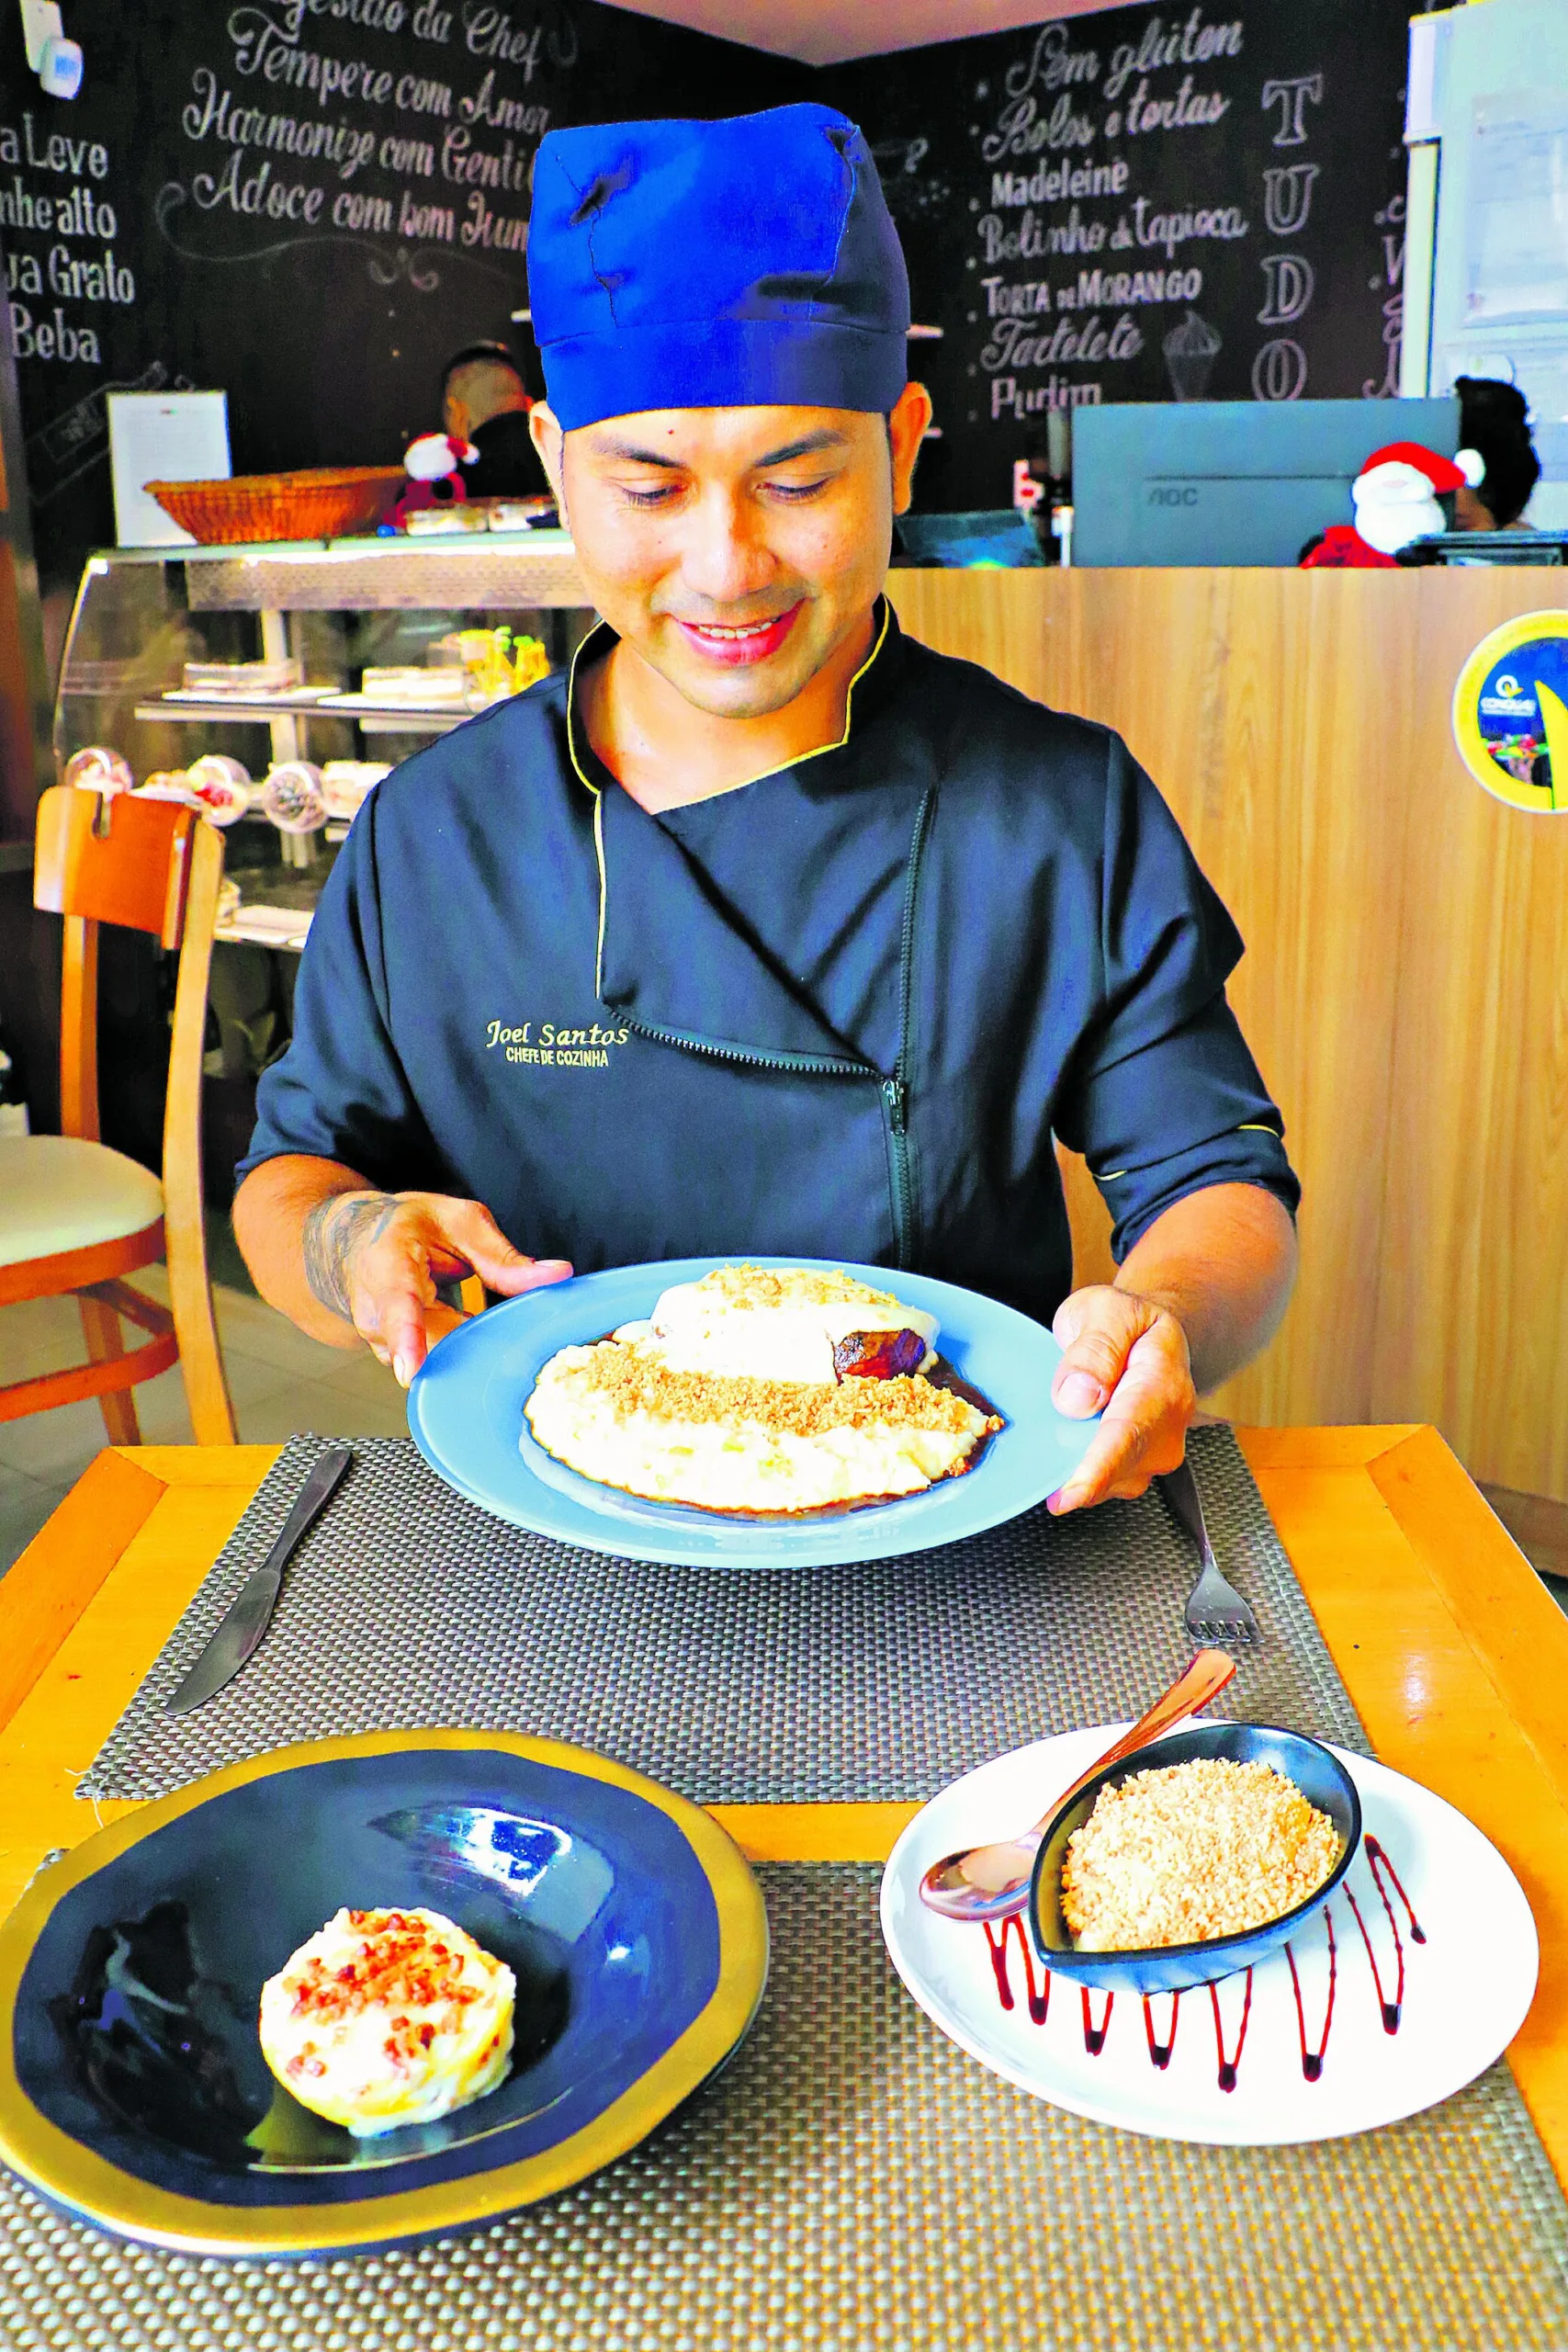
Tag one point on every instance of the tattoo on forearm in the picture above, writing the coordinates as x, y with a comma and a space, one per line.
332, 1231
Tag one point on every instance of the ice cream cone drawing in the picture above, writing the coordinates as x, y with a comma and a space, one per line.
1191, 349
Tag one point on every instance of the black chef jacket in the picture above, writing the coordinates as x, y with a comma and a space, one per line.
837, 1012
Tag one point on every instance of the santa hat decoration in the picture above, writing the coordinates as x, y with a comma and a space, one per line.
1397, 490
1403, 470
436, 455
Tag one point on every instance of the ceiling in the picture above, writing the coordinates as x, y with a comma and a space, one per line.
824, 32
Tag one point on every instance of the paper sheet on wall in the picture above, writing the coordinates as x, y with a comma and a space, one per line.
163, 436
1517, 229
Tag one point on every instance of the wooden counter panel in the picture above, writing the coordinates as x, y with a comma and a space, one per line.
1405, 988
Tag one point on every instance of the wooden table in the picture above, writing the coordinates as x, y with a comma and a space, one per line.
1453, 1652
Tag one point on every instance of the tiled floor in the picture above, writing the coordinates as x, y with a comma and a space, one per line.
280, 1382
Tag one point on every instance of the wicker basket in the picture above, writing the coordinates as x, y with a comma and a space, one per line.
329, 503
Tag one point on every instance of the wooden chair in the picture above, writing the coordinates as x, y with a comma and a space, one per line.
76, 1218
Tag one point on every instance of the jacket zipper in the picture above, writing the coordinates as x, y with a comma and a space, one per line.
893, 1089
813, 1065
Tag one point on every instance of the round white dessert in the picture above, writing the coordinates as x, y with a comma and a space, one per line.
388, 2018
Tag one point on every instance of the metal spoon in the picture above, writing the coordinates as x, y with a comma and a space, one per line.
992, 1882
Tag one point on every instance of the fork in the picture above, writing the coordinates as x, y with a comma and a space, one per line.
1215, 1611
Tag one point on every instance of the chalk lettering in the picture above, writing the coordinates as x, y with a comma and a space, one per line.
1194, 43
79, 214
1287, 197
426, 222
1011, 399
1280, 371
396, 154
59, 152
417, 94
1291, 96
1115, 290
1021, 130
1011, 345
85, 280
260, 197
485, 104
493, 231
473, 167
214, 113
352, 211
489, 33
54, 339
1171, 230
260, 47
1051, 64
1290, 284
1189, 108
1052, 184
1031, 240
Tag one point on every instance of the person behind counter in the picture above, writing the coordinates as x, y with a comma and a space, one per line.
767, 931
1495, 422
484, 400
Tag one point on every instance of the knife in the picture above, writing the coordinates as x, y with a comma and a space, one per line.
250, 1613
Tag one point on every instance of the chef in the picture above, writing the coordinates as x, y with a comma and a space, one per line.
764, 930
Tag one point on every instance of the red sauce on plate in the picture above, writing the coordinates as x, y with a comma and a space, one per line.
1039, 1994
1311, 2060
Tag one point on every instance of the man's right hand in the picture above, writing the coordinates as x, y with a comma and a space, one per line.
376, 1257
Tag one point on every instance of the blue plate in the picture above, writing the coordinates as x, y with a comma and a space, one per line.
132, 2087
466, 1414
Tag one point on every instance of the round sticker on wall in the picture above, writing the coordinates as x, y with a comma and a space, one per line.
1511, 713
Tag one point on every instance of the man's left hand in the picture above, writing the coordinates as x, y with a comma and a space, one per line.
1127, 1359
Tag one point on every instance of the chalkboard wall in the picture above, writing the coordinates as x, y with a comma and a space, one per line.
310, 203
1145, 205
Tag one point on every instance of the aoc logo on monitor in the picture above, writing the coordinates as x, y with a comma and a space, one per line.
1510, 714
1173, 493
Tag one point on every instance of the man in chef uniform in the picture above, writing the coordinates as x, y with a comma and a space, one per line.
766, 931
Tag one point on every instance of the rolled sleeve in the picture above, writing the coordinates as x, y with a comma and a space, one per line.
340, 1091
1164, 1098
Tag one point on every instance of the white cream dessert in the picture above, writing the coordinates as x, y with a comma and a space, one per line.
746, 1323
759, 1392
388, 2018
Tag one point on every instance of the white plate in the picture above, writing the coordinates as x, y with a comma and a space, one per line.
1468, 1986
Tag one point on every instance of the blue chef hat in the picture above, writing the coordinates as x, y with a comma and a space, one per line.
715, 265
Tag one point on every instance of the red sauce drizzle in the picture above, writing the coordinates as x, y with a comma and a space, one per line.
1375, 1855
1228, 2065
997, 1947
1094, 2035
1159, 2052
1391, 2009
1038, 1996
1311, 2060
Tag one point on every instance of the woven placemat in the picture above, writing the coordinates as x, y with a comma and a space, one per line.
410, 1607
852, 2180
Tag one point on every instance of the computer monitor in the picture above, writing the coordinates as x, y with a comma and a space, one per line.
1230, 481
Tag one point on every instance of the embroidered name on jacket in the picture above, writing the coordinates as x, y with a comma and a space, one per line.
552, 1044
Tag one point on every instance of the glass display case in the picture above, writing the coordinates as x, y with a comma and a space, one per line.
260, 655
254, 659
